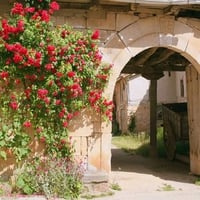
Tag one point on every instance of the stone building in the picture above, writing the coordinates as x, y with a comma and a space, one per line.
131, 97
142, 37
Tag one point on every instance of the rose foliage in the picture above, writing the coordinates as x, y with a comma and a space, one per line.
48, 75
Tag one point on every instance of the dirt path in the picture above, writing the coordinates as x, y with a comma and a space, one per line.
145, 178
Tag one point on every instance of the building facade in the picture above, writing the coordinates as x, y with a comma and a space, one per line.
136, 36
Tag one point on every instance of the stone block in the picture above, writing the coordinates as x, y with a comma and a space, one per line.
106, 151
95, 183
96, 14
75, 18
168, 40
76, 22
115, 42
149, 25
182, 33
60, 20
94, 150
167, 24
130, 34
105, 36
124, 20
193, 50
144, 43
108, 23
193, 23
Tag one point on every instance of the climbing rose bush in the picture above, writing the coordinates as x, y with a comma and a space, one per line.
48, 75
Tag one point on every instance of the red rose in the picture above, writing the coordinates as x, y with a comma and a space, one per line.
17, 81
58, 101
30, 10
69, 116
54, 5
47, 100
20, 25
14, 105
48, 67
95, 35
59, 74
43, 139
27, 124
4, 74
63, 141
50, 48
42, 93
17, 58
71, 74
18, 9
65, 124
45, 16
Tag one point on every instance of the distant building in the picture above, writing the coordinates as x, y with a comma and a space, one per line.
132, 98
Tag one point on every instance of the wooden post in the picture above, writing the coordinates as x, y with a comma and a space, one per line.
153, 117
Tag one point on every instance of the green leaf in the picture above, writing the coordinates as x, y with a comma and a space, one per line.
2, 143
3, 155
27, 189
20, 182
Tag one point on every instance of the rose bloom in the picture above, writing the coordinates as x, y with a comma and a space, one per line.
63, 141
59, 74
17, 58
95, 35
54, 5
17, 81
27, 124
58, 101
20, 25
4, 74
50, 48
65, 124
45, 16
18, 9
43, 139
29, 10
71, 74
14, 105
48, 67
42, 93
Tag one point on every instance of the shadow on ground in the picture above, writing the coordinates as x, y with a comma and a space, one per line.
159, 167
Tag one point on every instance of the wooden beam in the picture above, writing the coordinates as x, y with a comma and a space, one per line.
153, 117
160, 56
143, 57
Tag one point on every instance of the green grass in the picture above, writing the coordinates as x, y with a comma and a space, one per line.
115, 186
166, 187
139, 143
91, 196
197, 182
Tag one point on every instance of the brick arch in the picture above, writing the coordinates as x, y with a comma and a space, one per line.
147, 33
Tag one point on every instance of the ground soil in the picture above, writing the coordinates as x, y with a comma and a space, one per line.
150, 178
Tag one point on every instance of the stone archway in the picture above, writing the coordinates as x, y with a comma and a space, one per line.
169, 33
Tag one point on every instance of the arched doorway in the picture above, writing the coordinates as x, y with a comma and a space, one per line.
161, 33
